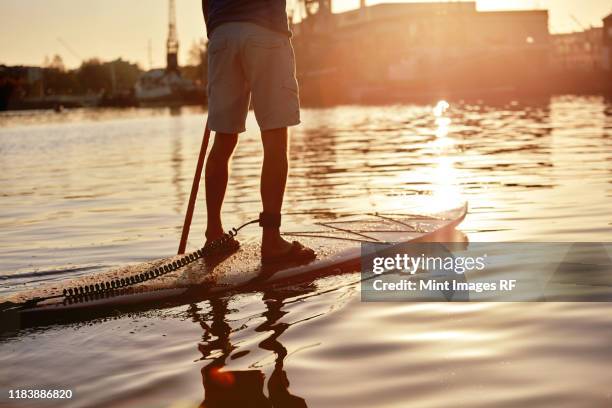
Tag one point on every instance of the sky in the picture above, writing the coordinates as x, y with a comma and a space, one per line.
81, 29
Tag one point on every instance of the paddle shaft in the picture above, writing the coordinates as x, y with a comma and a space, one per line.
194, 191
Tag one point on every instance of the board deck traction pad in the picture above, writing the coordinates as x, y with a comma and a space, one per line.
113, 287
108, 288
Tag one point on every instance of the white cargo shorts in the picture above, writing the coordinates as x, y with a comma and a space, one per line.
249, 61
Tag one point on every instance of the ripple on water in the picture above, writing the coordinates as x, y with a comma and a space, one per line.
100, 188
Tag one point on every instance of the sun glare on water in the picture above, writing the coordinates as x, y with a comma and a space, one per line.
444, 175
442, 122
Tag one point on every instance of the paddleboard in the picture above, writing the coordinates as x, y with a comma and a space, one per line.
337, 240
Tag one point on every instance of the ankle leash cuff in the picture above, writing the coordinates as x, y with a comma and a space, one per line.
267, 220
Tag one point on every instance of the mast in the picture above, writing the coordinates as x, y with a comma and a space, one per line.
172, 44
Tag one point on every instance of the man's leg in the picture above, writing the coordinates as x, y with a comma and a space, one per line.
273, 181
216, 178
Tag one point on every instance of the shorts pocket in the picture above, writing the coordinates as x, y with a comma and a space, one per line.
291, 84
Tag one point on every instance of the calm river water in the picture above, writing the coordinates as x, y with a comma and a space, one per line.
87, 190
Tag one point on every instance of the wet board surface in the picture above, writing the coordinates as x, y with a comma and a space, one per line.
337, 243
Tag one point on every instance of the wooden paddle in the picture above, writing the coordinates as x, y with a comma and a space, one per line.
194, 191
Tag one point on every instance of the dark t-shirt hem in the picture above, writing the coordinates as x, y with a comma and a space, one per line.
218, 22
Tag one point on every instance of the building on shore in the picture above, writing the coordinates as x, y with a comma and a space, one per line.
581, 60
419, 48
607, 43
30, 87
581, 50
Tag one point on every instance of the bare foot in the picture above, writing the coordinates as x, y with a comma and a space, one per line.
220, 243
213, 235
274, 246
274, 249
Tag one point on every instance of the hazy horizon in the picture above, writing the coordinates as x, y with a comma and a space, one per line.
34, 29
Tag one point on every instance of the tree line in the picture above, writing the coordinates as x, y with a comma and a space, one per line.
94, 76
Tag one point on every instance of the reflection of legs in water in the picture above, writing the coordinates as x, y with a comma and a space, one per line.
244, 388
278, 384
225, 388
216, 336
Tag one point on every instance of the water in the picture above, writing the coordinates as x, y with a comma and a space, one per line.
86, 190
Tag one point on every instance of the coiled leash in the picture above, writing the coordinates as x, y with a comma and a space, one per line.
109, 287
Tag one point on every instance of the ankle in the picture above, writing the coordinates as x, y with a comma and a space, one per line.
213, 233
270, 235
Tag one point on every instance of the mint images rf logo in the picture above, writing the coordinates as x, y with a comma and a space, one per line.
433, 285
